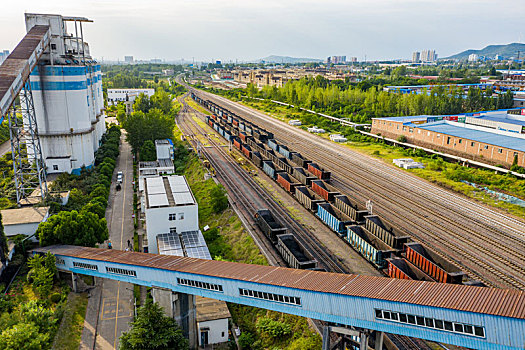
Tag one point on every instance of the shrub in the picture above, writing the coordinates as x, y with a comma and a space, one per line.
402, 138
275, 329
246, 340
55, 297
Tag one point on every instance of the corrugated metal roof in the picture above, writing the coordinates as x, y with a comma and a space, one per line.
493, 301
459, 130
502, 118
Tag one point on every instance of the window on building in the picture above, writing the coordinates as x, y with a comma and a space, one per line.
222, 334
172, 217
82, 265
199, 284
119, 271
55, 167
459, 141
500, 150
429, 322
398, 127
53, 47
270, 296
181, 216
173, 230
486, 147
59, 261
472, 144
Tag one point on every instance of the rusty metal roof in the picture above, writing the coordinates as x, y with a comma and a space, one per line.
18, 64
493, 301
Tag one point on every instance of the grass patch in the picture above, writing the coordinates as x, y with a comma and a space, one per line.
196, 106
70, 331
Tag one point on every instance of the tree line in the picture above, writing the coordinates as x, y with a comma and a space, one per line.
363, 104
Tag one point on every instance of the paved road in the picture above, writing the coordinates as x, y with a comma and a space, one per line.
117, 305
5, 147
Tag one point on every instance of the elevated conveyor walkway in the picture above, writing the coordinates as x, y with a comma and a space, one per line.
15, 70
472, 317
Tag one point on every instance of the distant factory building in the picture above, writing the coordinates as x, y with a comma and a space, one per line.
121, 95
168, 71
494, 137
67, 94
416, 57
128, 59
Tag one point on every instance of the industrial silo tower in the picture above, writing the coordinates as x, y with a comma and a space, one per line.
67, 94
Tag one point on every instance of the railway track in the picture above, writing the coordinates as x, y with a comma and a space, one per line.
476, 247
259, 198
403, 342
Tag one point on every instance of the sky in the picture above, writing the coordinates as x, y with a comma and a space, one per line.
231, 30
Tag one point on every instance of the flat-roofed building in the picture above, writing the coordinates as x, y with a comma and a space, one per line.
169, 207
122, 95
23, 221
212, 321
480, 143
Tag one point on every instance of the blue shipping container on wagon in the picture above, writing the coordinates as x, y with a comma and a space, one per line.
269, 169
284, 151
372, 249
327, 214
273, 145
227, 136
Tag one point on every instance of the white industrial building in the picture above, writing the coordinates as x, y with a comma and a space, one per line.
121, 95
23, 221
212, 321
164, 149
169, 207
67, 94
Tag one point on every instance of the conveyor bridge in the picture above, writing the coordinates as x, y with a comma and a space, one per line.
472, 317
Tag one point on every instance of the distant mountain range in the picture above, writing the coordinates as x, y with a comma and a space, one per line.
287, 59
507, 51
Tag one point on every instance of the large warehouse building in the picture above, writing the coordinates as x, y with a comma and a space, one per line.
67, 94
495, 137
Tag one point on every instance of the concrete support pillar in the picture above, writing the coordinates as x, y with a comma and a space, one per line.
326, 338
379, 340
74, 282
181, 307
364, 341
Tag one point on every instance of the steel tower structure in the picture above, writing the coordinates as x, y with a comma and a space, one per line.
28, 163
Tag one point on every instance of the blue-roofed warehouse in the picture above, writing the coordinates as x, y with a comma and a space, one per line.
495, 137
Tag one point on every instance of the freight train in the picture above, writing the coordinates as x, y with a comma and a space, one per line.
291, 250
374, 238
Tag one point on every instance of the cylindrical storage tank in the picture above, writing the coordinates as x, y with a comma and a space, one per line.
60, 95
100, 94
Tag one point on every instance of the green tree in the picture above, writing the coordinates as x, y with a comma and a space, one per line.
142, 103
218, 198
153, 125
40, 276
153, 330
84, 229
148, 151
94, 207
23, 336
